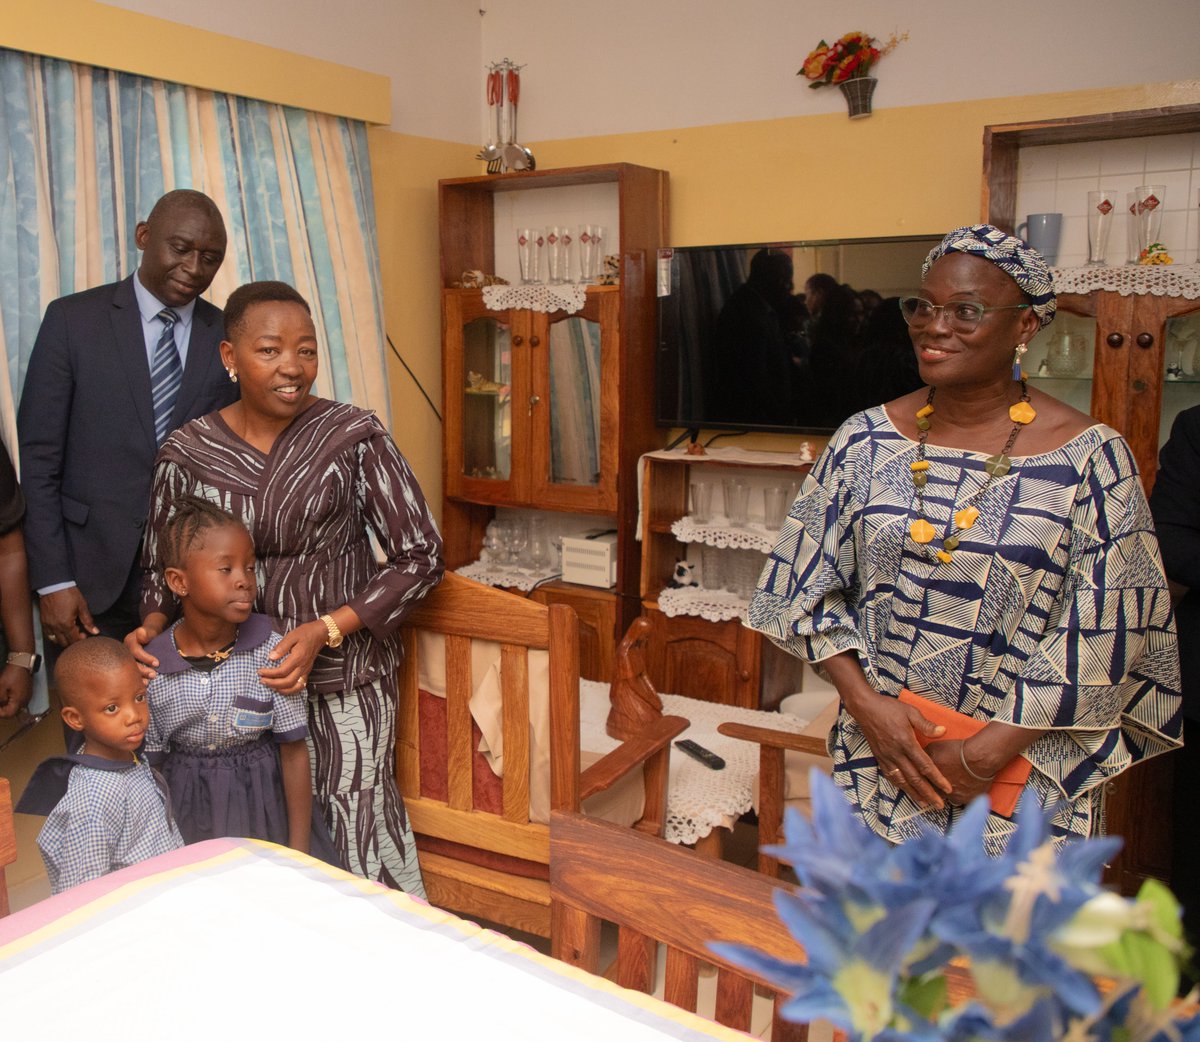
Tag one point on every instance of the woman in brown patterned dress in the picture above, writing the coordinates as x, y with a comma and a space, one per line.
312, 479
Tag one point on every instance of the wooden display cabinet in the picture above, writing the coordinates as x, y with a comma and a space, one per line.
688, 655
520, 429
1130, 390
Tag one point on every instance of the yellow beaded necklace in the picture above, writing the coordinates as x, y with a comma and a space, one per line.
921, 531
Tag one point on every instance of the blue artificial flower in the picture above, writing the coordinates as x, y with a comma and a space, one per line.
850, 976
871, 915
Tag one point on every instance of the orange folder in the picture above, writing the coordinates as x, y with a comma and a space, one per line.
1010, 780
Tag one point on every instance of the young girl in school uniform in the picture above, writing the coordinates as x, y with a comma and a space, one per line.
233, 751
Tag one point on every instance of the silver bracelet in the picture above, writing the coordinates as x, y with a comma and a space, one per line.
962, 755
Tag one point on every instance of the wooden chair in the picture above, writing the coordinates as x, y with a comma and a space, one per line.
657, 892
771, 788
8, 841
484, 855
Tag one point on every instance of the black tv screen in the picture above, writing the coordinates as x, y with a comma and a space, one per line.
786, 337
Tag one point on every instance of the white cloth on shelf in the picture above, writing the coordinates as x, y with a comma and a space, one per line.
567, 296
509, 578
713, 605
1160, 280
751, 536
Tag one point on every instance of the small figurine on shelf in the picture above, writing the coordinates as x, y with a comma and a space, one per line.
684, 575
806, 452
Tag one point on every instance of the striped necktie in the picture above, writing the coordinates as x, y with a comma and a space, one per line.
165, 375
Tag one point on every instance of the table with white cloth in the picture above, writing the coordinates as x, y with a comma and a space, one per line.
244, 939
700, 799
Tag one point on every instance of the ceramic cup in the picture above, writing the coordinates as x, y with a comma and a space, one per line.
1042, 231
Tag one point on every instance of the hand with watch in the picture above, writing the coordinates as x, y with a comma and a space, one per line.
299, 648
16, 681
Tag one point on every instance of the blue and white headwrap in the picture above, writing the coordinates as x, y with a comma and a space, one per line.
1022, 263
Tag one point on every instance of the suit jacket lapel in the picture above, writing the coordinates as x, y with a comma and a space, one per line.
131, 349
203, 354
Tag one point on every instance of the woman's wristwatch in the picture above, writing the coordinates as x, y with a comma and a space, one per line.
29, 660
335, 638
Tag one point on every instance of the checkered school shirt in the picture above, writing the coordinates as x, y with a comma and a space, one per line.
114, 814
227, 708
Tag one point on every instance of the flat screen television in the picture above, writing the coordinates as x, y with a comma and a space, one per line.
785, 337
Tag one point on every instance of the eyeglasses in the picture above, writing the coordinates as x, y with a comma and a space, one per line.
963, 316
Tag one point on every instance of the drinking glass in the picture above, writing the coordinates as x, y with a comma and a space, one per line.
493, 544
564, 244
539, 545
701, 502
597, 253
1133, 229
517, 542
712, 567
775, 506
554, 255
587, 252
1151, 199
1100, 209
737, 500
527, 254
538, 264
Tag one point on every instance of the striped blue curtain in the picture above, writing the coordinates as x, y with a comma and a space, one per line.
84, 154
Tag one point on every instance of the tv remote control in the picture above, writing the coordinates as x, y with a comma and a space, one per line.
698, 752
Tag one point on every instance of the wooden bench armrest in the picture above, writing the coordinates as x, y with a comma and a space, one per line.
799, 743
613, 766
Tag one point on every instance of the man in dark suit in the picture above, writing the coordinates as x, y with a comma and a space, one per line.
1175, 504
113, 371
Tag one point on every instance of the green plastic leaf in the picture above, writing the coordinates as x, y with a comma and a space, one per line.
1165, 907
925, 995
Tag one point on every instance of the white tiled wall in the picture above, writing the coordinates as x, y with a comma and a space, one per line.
1057, 179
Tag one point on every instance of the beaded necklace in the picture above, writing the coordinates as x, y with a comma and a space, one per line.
921, 531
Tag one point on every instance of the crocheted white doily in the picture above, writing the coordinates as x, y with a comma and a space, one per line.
498, 575
714, 605
698, 798
1160, 280
569, 297
751, 537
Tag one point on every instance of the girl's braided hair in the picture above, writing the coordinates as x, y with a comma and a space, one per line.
191, 517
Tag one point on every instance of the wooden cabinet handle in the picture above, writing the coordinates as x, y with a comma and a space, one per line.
1114, 340
518, 340
745, 675
533, 400
1145, 340
535, 341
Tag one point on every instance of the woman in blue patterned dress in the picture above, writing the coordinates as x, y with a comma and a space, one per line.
989, 548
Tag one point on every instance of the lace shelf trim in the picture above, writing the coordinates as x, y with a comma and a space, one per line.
569, 297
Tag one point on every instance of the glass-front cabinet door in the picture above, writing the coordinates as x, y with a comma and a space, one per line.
572, 406
482, 383
1181, 369
1142, 369
1061, 360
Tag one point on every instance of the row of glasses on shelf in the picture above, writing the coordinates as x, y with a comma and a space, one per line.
555, 254
1143, 223
735, 571
736, 491
521, 544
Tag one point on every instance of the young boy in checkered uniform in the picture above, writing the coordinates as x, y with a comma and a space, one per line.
107, 808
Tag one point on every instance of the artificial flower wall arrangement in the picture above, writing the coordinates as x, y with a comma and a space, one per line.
1032, 929
847, 63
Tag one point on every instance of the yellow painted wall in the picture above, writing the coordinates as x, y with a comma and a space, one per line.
114, 38
405, 171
